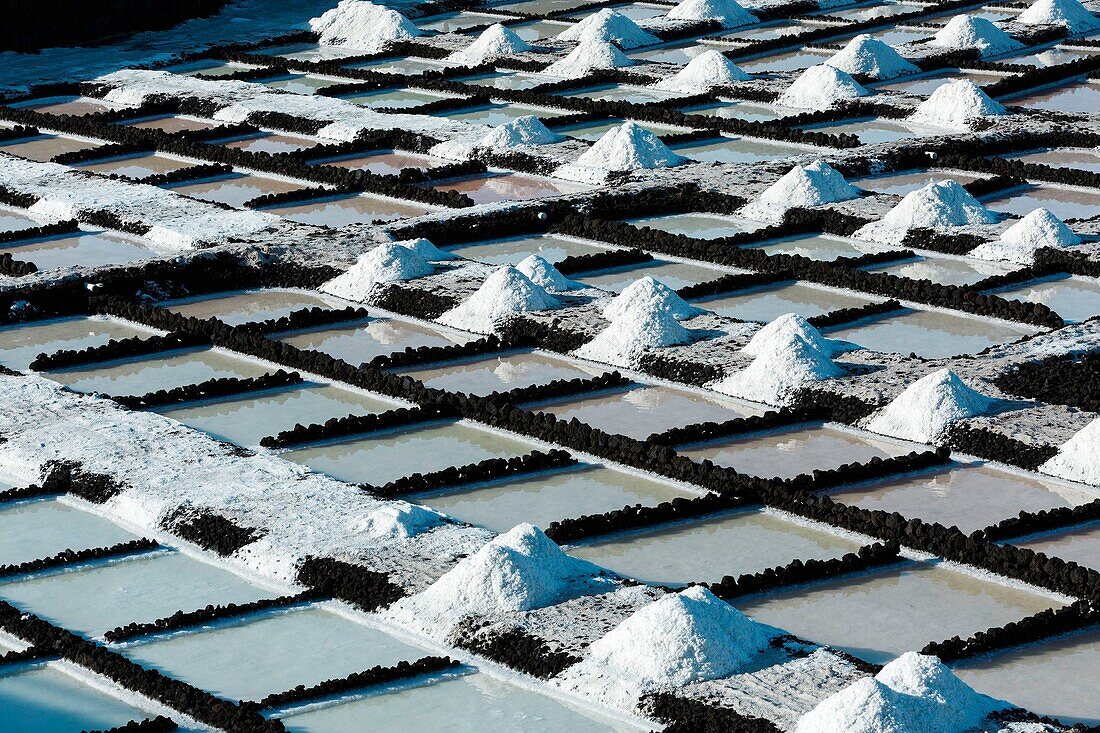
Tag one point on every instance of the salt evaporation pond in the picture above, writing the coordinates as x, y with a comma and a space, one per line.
502, 373
1079, 98
172, 123
673, 274
821, 247
925, 85
496, 187
931, 334
551, 247
637, 11
387, 162
504, 79
1054, 56
540, 7
1062, 201
788, 61
136, 166
877, 130
452, 22
502, 112
1081, 544
789, 452
402, 98
309, 52
20, 345
558, 495
905, 182
770, 31
362, 341
708, 550
640, 411
698, 225
341, 211
38, 529
208, 67
1075, 158
383, 458
595, 130
731, 149
102, 595
14, 221
47, 700
64, 105
272, 142
622, 93
764, 305
943, 270
537, 30
879, 615
735, 109
256, 657
43, 148
405, 66
249, 306
1073, 298
882, 10
679, 54
86, 249
235, 189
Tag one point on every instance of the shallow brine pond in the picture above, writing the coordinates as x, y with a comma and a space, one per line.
47, 700
902, 183
501, 373
501, 113
550, 247
1073, 298
788, 61
19, 345
879, 130
247, 307
925, 85
595, 130
363, 341
766, 304
623, 93
357, 209
740, 150
698, 225
930, 334
86, 249
387, 162
396, 98
1079, 98
944, 270
740, 110
452, 22
673, 274
38, 529
43, 148
1079, 544
497, 187
137, 166
236, 189
505, 79
821, 247
1076, 158
272, 142
1064, 202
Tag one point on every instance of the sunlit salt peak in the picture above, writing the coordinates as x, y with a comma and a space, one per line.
780, 330
505, 293
632, 332
629, 147
704, 72
362, 25
727, 12
937, 205
914, 693
1078, 459
545, 275
1020, 242
590, 55
869, 56
526, 130
386, 263
646, 292
782, 365
957, 104
814, 184
495, 42
821, 87
928, 407
609, 26
426, 249
968, 31
1069, 13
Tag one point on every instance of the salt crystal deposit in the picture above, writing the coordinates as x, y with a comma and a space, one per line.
1069, 13
787, 363
1078, 459
968, 31
869, 56
928, 407
609, 26
956, 104
589, 55
526, 130
727, 12
813, 184
937, 205
361, 25
545, 275
821, 87
505, 293
426, 249
644, 326
704, 72
628, 147
1022, 240
645, 292
386, 263
781, 329
495, 42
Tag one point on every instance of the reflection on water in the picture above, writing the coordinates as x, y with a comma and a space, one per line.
19, 345
821, 247
81, 250
272, 142
739, 150
699, 226
247, 307
593, 132
1065, 203
455, 21
236, 189
623, 93
925, 85
873, 132
357, 209
510, 187
900, 184
1079, 98
395, 98
44, 148
141, 376
767, 304
930, 334
790, 61
388, 162
673, 274
138, 166
1073, 298
550, 247
501, 373
376, 337
738, 110
300, 83
499, 114
1080, 158
46, 700
944, 270
1081, 545
45, 528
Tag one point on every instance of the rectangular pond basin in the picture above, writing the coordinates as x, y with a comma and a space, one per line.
236, 189
505, 78
820, 247
736, 109
539, 7
137, 166
881, 615
1051, 57
401, 98
786, 61
38, 529
162, 371
103, 595
173, 123
967, 496
339, 211
19, 345
881, 10
698, 225
673, 274
86, 249
249, 306
451, 22
208, 67
245, 421
387, 162
272, 142
904, 182
65, 105
405, 66
767, 304
943, 270
877, 130
474, 703
500, 113
900, 35
383, 458
595, 130
679, 53
43, 148
622, 93
538, 30
708, 550
495, 187
361, 342
309, 52
1062, 201
792, 451
642, 410
276, 652
771, 31
1051, 678
931, 334
47, 700
1081, 544
502, 373
550, 247
1078, 98
13, 220
1084, 159
1073, 298
555, 496
731, 149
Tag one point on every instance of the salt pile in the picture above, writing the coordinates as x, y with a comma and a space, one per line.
927, 407
727, 12
1069, 13
519, 570
1078, 459
869, 56
811, 185
1022, 240
707, 70
386, 263
505, 293
780, 330
526, 130
545, 275
362, 25
937, 205
646, 291
426, 249
821, 87
681, 638
611, 27
628, 147
628, 337
914, 693
956, 104
589, 55
967, 31
784, 363
495, 42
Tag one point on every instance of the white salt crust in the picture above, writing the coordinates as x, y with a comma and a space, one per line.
783, 364
545, 275
386, 263
590, 55
937, 205
495, 42
967, 31
1069, 13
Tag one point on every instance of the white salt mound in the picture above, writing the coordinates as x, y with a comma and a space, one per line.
647, 292
362, 25
784, 364
526, 130
804, 185
956, 104
426, 249
927, 407
967, 31
589, 55
495, 42
628, 147
780, 330
937, 205
545, 275
1022, 240
628, 337
707, 70
727, 12
821, 87
386, 263
867, 55
914, 693
1069, 13
505, 293
1078, 459
609, 26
